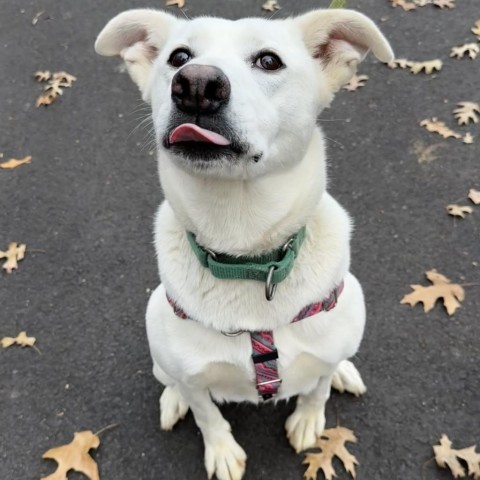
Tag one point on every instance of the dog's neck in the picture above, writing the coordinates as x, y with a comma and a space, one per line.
247, 217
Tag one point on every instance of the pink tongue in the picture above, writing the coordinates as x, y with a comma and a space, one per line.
189, 132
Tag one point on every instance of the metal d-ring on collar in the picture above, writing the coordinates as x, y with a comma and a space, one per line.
270, 287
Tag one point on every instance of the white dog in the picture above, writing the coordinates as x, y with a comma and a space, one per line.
242, 166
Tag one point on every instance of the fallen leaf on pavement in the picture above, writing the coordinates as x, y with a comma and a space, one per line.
466, 112
423, 3
178, 3
441, 288
271, 6
476, 29
21, 339
404, 4
470, 49
458, 210
468, 138
446, 456
74, 456
56, 82
429, 66
444, 3
474, 196
14, 163
356, 82
435, 126
426, 153
332, 444
14, 254
399, 63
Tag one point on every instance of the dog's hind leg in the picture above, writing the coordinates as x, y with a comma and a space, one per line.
307, 421
347, 379
223, 455
173, 406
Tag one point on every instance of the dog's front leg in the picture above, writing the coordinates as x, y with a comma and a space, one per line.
223, 456
307, 421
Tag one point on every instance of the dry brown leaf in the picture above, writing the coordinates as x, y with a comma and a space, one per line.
458, 210
468, 138
356, 82
42, 75
21, 339
474, 196
14, 163
404, 4
14, 254
435, 126
74, 456
476, 29
178, 3
429, 66
54, 88
444, 3
271, 6
332, 444
446, 456
427, 153
399, 63
441, 288
423, 3
470, 49
466, 112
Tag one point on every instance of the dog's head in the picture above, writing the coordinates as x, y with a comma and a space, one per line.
239, 98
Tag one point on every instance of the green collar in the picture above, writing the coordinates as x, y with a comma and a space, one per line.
272, 267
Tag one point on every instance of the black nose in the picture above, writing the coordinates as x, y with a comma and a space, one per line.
200, 89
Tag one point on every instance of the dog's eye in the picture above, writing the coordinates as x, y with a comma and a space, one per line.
179, 57
268, 61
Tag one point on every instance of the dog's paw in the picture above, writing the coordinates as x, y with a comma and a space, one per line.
173, 407
347, 379
304, 425
225, 458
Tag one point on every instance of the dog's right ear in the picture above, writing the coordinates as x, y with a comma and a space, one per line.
137, 36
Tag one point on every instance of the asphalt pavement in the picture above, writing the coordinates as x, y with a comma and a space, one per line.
85, 208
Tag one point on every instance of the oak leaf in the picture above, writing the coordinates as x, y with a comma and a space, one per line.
446, 456
56, 82
74, 456
429, 66
466, 112
14, 163
332, 444
435, 126
42, 75
404, 4
399, 63
178, 3
470, 49
444, 3
468, 138
21, 339
474, 196
271, 6
423, 3
452, 293
458, 210
356, 82
476, 29
14, 254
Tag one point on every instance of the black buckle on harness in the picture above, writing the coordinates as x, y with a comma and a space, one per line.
265, 357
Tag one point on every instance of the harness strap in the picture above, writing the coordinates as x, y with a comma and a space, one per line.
264, 351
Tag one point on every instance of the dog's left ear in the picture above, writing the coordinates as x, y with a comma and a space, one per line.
137, 36
340, 39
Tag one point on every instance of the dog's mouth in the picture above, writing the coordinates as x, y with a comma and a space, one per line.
196, 143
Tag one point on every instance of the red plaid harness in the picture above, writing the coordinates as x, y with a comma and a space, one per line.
264, 352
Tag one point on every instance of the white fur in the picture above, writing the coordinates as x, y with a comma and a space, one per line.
245, 208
